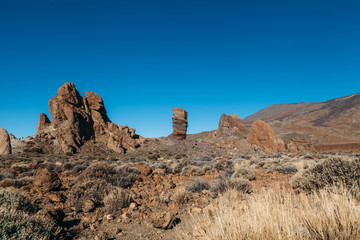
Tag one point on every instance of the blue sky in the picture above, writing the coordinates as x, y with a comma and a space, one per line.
144, 57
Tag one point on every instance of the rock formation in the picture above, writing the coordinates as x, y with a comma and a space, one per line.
76, 120
263, 136
43, 123
231, 126
5, 145
180, 123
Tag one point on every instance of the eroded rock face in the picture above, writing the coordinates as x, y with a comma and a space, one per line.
5, 144
76, 120
43, 123
69, 117
231, 126
180, 123
263, 136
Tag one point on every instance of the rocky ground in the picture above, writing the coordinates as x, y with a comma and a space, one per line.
144, 194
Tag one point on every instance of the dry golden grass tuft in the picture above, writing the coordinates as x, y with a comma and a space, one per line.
270, 215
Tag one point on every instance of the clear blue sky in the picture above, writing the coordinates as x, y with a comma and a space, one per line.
144, 57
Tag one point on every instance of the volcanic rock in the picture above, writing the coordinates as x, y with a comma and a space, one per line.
263, 136
180, 123
5, 144
77, 120
231, 126
47, 180
43, 123
164, 220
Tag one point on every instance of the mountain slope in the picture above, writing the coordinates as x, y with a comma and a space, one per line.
334, 122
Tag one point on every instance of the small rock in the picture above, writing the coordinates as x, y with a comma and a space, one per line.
88, 206
163, 220
46, 179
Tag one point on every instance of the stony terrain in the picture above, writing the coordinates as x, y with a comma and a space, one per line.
84, 177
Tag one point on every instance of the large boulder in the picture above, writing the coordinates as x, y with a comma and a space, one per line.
5, 144
76, 120
262, 135
69, 117
231, 126
180, 123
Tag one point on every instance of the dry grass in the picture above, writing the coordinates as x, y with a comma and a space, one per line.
270, 215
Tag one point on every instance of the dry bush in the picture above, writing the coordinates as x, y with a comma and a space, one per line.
94, 190
223, 164
17, 183
244, 171
191, 171
329, 172
19, 220
269, 215
116, 200
12, 199
224, 183
121, 176
20, 167
180, 196
198, 185
8, 175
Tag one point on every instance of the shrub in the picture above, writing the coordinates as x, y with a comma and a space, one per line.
19, 221
288, 169
8, 175
94, 190
244, 172
17, 183
79, 168
180, 196
223, 164
153, 156
116, 200
11, 199
191, 171
198, 185
225, 183
335, 171
123, 176
180, 156
269, 215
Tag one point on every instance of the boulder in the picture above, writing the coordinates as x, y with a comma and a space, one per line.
47, 180
180, 123
76, 120
5, 144
231, 126
262, 135
163, 220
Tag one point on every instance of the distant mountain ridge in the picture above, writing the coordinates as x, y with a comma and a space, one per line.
333, 122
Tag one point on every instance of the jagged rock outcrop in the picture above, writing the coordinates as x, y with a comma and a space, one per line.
180, 123
5, 144
76, 120
231, 126
43, 123
263, 136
